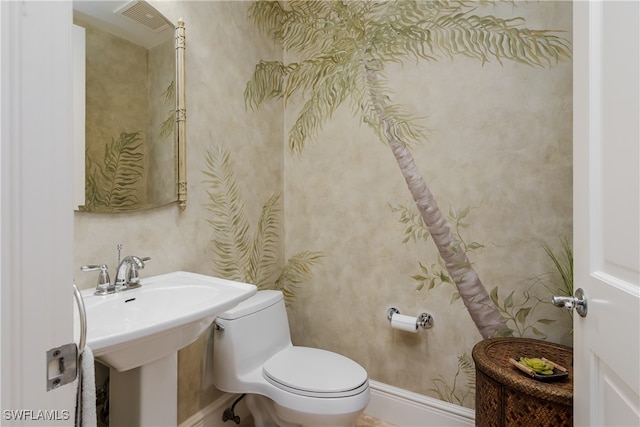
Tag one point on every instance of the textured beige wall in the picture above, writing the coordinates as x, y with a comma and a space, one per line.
222, 50
500, 142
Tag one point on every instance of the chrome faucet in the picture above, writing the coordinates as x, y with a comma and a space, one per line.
126, 278
127, 275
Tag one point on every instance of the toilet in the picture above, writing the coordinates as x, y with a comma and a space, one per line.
286, 385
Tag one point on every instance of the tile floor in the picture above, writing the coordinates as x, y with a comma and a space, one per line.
363, 421
366, 421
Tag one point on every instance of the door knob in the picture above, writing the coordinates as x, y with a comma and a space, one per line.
577, 301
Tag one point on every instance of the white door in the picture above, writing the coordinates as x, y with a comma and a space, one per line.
606, 212
36, 222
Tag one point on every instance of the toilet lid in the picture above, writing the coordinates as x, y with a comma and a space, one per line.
315, 372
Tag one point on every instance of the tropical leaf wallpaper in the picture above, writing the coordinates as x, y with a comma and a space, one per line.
490, 137
449, 390
113, 181
239, 253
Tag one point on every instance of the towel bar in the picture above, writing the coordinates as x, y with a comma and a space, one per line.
83, 319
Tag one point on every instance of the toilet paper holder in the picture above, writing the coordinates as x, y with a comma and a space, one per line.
424, 320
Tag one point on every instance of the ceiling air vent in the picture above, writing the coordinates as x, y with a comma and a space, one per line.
145, 14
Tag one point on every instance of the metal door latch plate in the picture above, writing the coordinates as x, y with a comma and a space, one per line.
62, 365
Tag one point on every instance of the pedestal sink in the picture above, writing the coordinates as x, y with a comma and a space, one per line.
137, 334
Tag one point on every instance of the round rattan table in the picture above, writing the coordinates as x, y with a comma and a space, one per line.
506, 396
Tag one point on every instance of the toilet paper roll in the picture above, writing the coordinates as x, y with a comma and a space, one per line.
404, 323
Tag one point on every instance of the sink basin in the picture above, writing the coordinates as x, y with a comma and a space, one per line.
129, 329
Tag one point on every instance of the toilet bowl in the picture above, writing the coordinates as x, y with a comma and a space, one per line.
286, 385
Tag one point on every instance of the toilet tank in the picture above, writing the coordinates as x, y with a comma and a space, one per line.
254, 330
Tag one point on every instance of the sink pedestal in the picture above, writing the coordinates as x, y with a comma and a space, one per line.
145, 396
138, 333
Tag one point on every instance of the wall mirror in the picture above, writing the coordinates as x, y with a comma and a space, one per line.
129, 105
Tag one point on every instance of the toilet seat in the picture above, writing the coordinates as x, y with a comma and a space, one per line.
315, 373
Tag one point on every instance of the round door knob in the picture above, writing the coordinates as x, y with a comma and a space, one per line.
577, 301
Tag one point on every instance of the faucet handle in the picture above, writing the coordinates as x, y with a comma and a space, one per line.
134, 278
91, 267
104, 282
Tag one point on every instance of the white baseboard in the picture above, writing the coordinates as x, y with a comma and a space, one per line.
408, 409
211, 415
391, 404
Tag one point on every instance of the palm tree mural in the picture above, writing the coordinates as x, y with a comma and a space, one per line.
343, 47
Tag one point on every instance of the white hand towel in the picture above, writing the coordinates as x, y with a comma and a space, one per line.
86, 402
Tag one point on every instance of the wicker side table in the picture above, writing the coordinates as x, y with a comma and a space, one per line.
506, 396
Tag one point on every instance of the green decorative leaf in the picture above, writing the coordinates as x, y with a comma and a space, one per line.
444, 277
296, 271
508, 302
494, 296
265, 245
424, 269
232, 243
564, 265
474, 246
267, 82
454, 297
522, 314
452, 213
168, 125
464, 212
537, 332
113, 183
505, 333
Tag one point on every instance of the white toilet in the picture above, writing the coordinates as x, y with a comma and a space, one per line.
286, 385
